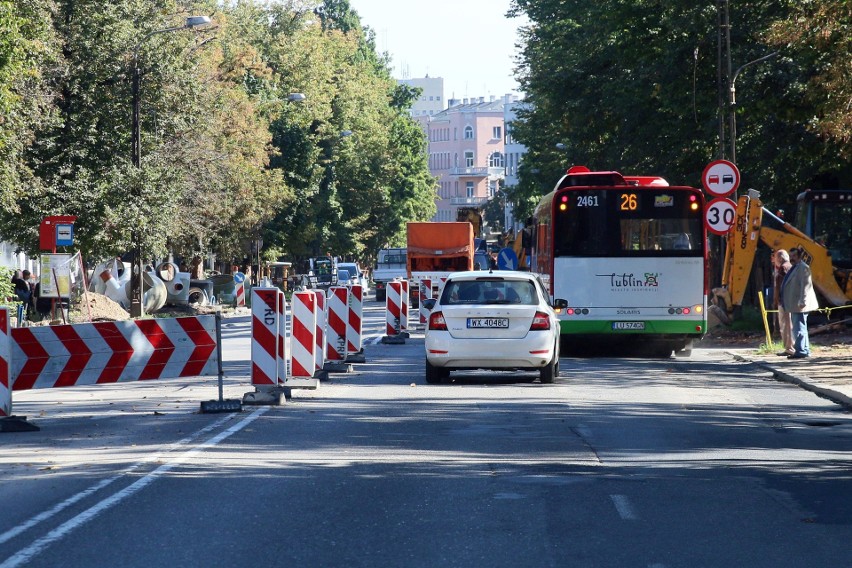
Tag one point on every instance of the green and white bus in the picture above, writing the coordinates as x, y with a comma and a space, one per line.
628, 254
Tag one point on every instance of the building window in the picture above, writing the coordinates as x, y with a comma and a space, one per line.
468, 132
469, 188
468, 159
497, 133
495, 160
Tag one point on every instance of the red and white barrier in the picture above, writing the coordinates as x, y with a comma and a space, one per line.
338, 314
283, 348
303, 340
403, 309
425, 288
5, 366
393, 305
319, 353
354, 323
241, 294
111, 352
264, 337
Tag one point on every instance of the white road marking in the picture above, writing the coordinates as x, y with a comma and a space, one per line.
24, 555
622, 505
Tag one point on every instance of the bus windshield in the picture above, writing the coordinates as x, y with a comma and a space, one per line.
626, 222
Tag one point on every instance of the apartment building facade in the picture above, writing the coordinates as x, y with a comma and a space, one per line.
466, 154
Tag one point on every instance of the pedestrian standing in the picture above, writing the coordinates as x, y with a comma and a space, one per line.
798, 298
781, 266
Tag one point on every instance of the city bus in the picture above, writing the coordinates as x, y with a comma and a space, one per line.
629, 256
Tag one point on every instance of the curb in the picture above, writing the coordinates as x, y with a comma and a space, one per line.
802, 382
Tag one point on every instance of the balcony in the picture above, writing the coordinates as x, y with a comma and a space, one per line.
475, 201
469, 172
490, 173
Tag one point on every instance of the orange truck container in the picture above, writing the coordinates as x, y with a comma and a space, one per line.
437, 249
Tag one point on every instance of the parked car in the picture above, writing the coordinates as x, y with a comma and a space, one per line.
498, 319
356, 276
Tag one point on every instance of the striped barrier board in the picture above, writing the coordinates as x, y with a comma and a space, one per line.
112, 352
264, 337
303, 340
403, 306
393, 304
5, 366
338, 313
320, 335
354, 323
283, 348
425, 288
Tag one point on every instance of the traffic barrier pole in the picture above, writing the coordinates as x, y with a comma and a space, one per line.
303, 340
240, 289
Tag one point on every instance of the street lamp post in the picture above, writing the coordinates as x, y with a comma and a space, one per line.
136, 280
733, 102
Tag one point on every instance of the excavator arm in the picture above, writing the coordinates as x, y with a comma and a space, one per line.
752, 226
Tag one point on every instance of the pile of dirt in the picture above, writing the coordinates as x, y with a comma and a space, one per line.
97, 307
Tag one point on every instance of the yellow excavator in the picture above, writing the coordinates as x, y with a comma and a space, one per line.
825, 218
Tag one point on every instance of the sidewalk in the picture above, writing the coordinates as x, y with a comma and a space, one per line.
826, 373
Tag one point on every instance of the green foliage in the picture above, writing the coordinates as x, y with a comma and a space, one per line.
224, 158
631, 86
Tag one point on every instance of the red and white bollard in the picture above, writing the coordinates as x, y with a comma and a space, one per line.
354, 326
240, 288
425, 294
303, 340
338, 314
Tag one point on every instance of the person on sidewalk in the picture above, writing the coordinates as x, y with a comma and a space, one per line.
798, 298
780, 267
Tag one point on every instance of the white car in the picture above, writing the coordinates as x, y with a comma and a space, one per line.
500, 319
355, 274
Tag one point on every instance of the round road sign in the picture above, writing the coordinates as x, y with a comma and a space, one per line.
239, 277
720, 178
719, 215
507, 259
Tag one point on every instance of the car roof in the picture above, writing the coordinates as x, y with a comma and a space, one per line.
479, 274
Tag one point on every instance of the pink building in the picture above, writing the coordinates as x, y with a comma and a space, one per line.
466, 154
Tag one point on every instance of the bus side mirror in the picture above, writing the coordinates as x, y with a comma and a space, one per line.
560, 304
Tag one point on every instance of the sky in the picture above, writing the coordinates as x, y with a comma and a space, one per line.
469, 43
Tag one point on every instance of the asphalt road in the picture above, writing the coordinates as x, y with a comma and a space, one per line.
621, 462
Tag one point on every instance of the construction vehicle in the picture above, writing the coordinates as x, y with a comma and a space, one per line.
437, 248
825, 218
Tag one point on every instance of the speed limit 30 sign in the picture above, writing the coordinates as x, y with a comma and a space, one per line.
719, 215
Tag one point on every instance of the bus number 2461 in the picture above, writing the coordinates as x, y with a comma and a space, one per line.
587, 201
